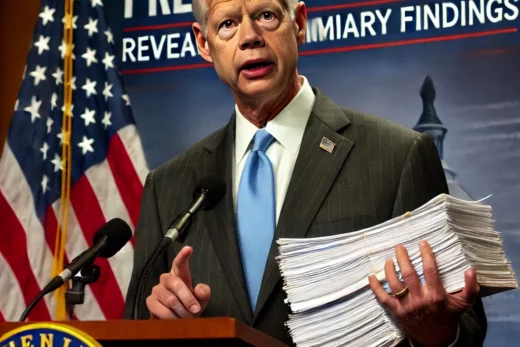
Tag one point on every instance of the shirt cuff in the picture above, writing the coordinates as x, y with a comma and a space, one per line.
453, 344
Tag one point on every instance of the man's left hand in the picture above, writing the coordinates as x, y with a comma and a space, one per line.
427, 314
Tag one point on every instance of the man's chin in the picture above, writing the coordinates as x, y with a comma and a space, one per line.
257, 88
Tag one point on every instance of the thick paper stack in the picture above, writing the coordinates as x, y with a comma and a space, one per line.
326, 278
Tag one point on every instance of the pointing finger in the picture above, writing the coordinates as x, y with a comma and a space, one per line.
180, 266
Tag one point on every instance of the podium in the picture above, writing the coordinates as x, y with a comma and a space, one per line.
185, 332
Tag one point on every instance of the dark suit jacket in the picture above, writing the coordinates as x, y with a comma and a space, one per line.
378, 170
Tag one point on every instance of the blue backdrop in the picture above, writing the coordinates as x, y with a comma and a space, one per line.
372, 56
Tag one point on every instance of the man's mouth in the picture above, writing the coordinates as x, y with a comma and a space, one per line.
255, 66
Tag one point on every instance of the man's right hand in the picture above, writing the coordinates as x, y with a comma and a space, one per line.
174, 297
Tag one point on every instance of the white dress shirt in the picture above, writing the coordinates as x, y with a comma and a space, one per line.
287, 128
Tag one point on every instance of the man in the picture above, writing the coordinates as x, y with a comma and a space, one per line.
295, 165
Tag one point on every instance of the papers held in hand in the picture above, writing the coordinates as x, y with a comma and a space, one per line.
326, 278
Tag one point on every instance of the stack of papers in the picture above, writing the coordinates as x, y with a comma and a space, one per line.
326, 278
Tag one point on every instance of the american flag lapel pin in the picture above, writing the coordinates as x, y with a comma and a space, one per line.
327, 145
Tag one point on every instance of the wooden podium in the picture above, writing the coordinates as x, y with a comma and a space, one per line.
185, 332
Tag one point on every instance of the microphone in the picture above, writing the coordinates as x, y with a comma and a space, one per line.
108, 240
207, 194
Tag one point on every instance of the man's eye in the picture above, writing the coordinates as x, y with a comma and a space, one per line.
267, 15
226, 24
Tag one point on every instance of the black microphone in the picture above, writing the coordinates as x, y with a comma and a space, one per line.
108, 240
208, 193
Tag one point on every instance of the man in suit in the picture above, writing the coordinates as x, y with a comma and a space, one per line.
295, 165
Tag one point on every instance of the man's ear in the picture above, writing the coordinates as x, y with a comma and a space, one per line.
202, 43
300, 18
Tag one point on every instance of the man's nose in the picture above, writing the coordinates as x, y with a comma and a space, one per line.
250, 36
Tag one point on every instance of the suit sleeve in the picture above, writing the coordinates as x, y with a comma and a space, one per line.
147, 235
422, 179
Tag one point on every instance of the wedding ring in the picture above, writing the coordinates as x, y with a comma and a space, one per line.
401, 293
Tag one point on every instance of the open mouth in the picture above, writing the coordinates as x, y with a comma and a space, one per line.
256, 66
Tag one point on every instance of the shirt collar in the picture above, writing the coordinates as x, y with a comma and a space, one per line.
287, 127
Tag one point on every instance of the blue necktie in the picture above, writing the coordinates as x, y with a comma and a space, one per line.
256, 216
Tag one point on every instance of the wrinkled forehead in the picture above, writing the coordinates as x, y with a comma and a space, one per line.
217, 5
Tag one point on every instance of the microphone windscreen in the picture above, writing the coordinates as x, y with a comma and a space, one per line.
117, 232
213, 187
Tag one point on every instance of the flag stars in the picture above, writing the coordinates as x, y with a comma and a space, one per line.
106, 92
54, 102
88, 116
45, 182
106, 120
69, 22
44, 150
38, 74
108, 60
58, 76
42, 44
126, 98
47, 15
70, 111
66, 49
34, 108
90, 87
49, 124
57, 162
90, 56
94, 3
110, 36
16, 104
86, 145
73, 83
91, 27
64, 137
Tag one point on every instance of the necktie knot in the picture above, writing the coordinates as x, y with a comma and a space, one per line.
262, 140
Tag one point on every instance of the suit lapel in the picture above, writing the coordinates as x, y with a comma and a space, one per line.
218, 159
314, 173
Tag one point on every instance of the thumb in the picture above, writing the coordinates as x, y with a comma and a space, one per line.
202, 292
181, 268
471, 288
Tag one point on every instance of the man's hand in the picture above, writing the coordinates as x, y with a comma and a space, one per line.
174, 297
427, 314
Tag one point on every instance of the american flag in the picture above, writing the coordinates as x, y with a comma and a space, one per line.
108, 167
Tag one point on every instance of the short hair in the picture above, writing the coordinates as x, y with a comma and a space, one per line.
200, 11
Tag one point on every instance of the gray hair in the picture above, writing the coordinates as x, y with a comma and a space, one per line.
201, 13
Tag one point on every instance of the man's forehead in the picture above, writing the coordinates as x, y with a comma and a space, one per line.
212, 4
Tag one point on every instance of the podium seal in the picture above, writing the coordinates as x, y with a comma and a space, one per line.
47, 335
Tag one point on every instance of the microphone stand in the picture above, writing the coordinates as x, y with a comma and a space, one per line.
76, 294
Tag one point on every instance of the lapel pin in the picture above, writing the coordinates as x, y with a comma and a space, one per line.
327, 145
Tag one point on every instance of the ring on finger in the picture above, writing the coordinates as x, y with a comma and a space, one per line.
401, 293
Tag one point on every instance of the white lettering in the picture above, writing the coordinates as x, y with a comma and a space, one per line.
384, 20
320, 31
157, 49
128, 48
476, 11
152, 7
129, 8
367, 21
350, 27
498, 11
446, 23
187, 46
141, 47
172, 45
513, 9
179, 7
405, 18
431, 17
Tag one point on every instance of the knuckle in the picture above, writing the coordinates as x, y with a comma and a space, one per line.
172, 301
430, 270
164, 278
408, 274
178, 285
